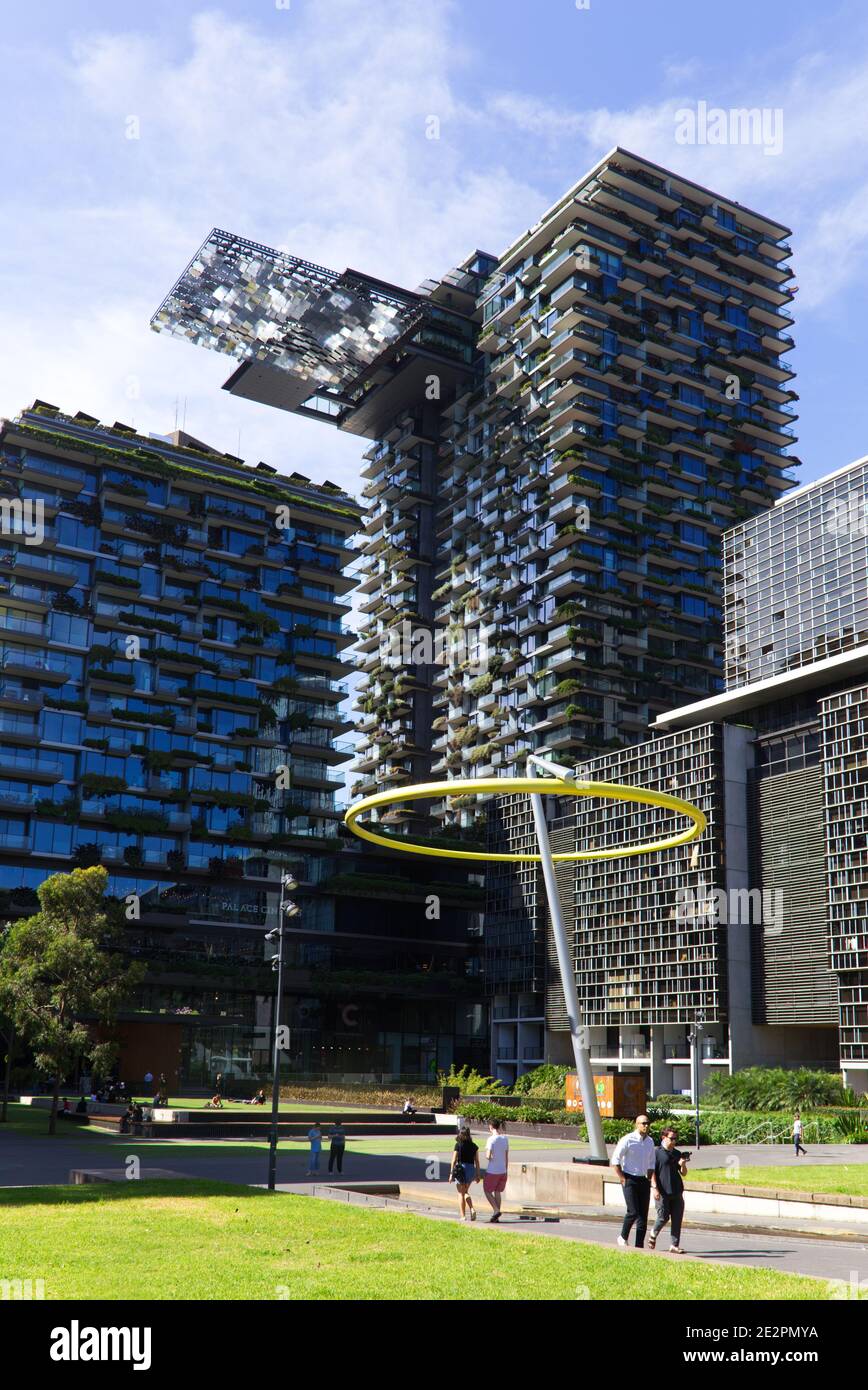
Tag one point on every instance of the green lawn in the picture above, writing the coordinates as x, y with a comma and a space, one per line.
199, 1240
848, 1178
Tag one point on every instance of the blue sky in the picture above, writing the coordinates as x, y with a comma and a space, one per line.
304, 125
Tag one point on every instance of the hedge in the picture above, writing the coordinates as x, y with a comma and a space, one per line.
774, 1088
732, 1127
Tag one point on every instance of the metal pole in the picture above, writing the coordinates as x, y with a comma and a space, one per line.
568, 981
697, 1066
275, 1088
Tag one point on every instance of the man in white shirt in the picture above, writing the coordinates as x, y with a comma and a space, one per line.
497, 1154
633, 1161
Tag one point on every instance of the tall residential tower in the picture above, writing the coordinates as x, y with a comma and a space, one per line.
560, 435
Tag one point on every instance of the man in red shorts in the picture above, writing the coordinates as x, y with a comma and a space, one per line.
497, 1154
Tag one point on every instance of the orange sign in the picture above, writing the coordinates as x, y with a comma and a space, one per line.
618, 1097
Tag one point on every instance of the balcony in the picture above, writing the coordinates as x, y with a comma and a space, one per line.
27, 662
14, 843
29, 765
58, 571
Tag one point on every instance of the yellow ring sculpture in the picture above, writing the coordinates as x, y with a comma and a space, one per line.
537, 786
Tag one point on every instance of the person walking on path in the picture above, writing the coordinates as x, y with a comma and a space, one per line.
465, 1170
314, 1134
337, 1147
497, 1171
218, 1084
797, 1135
633, 1161
667, 1185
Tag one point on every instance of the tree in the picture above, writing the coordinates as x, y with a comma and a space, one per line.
59, 973
7, 1041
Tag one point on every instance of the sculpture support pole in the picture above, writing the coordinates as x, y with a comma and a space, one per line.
578, 1032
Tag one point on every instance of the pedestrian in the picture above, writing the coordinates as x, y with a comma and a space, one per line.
667, 1185
497, 1170
797, 1134
314, 1134
337, 1147
149, 1081
465, 1170
633, 1161
218, 1084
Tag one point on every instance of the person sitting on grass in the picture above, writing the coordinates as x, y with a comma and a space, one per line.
409, 1110
81, 1108
215, 1103
259, 1098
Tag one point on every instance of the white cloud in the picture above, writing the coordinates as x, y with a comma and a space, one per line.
310, 134
818, 184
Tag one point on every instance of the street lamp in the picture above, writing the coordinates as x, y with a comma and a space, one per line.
287, 909
695, 1040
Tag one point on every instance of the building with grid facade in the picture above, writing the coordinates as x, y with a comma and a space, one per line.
559, 436
173, 667
797, 580
779, 763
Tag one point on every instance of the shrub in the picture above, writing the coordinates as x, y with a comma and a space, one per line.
548, 1080
469, 1081
774, 1088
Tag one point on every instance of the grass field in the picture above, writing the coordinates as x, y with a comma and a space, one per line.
850, 1179
201, 1240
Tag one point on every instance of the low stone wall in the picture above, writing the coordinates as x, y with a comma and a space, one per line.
579, 1184
94, 1107
523, 1131
735, 1200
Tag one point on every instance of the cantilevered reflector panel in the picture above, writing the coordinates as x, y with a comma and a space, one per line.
320, 327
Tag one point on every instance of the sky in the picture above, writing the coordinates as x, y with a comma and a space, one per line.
130, 131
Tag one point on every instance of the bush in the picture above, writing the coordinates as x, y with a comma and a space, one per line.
672, 1101
745, 1126
547, 1080
773, 1088
469, 1081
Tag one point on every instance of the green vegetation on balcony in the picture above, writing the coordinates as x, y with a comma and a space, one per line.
482, 753
95, 785
126, 716
154, 464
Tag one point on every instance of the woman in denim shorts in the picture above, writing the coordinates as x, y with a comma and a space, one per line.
465, 1170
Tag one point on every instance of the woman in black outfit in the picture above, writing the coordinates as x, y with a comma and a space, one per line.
465, 1170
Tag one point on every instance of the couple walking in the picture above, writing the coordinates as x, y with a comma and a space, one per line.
645, 1169
466, 1171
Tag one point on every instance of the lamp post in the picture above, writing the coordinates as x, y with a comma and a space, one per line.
578, 1033
287, 909
695, 1040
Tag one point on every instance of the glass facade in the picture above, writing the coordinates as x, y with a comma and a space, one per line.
172, 690
845, 767
796, 580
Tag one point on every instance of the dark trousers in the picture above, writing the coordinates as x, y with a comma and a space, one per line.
336, 1156
637, 1195
670, 1207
